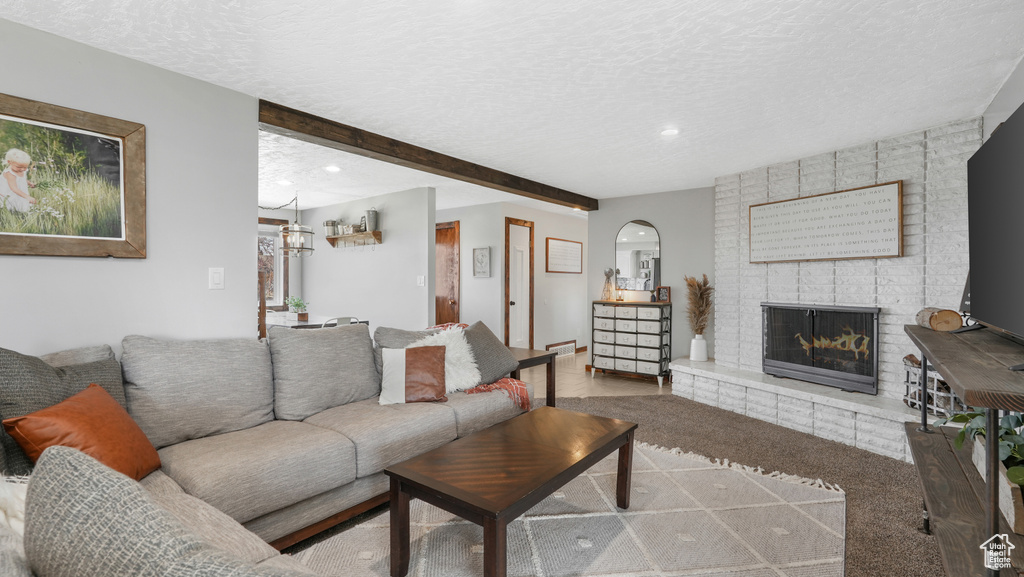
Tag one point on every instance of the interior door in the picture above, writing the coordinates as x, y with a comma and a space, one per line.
446, 273
519, 283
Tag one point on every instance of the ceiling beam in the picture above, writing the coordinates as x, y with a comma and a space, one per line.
309, 128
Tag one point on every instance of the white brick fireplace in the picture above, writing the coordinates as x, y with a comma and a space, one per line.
933, 167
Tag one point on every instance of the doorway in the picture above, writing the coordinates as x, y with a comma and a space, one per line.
446, 272
518, 283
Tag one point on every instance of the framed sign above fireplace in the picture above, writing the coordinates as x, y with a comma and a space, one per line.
864, 222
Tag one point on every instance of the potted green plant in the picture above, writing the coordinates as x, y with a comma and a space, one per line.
699, 307
296, 307
1011, 458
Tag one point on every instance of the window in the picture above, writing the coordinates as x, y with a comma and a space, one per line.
272, 262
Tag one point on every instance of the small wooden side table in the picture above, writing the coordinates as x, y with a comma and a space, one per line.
532, 358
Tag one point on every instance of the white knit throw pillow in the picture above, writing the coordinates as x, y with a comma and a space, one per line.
460, 369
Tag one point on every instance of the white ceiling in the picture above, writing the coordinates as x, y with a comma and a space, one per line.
574, 93
303, 166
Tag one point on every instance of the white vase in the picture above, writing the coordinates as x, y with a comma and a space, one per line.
698, 348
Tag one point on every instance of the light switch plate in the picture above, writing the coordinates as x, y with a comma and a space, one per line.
216, 279
421, 280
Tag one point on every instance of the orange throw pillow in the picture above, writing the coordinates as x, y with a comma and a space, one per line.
92, 422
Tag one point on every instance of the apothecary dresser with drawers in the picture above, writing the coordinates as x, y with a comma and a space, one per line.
632, 337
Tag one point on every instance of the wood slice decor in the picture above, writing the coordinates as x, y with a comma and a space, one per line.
937, 319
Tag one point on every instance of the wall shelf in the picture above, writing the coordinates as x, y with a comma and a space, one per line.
356, 239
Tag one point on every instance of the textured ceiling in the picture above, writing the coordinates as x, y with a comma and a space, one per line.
290, 167
574, 93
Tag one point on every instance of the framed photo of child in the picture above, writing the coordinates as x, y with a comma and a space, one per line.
72, 183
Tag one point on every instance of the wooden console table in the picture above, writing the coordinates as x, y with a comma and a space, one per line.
975, 364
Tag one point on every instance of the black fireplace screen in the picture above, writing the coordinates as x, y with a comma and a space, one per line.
834, 346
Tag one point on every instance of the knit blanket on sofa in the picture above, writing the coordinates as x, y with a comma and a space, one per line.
514, 388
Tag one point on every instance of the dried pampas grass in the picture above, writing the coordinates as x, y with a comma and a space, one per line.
699, 298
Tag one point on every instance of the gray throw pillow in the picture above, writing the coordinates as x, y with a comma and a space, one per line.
317, 369
493, 358
84, 519
27, 384
181, 390
390, 338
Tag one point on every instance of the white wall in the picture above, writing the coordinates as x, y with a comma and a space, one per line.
201, 173
685, 223
560, 300
933, 167
1006, 101
481, 297
375, 282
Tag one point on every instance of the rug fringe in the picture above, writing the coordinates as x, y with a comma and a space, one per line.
725, 463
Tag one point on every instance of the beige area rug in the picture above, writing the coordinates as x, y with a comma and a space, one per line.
687, 516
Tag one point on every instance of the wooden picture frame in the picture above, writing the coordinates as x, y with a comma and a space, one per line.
563, 256
82, 161
857, 223
663, 294
482, 262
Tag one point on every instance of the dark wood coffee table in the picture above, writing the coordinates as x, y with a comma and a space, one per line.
493, 476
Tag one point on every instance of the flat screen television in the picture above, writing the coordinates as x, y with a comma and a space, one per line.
995, 202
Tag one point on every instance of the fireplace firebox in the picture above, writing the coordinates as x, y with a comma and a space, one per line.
829, 345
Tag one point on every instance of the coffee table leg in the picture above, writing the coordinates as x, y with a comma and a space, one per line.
399, 529
625, 474
551, 382
495, 557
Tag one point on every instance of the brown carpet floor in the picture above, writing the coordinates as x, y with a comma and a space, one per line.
883, 496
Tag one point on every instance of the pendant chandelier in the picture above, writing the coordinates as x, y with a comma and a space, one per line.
296, 239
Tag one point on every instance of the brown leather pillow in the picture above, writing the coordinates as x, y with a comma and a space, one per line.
92, 422
413, 375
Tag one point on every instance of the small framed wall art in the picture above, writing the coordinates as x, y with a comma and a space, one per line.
73, 183
664, 294
482, 262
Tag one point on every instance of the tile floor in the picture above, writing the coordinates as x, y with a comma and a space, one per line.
573, 380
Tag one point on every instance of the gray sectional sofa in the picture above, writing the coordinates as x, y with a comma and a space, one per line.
284, 437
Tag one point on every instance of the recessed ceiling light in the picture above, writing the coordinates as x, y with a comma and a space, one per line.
285, 182
623, 239
332, 168
641, 232
670, 132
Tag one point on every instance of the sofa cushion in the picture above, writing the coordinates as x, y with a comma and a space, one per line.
92, 422
180, 390
12, 554
27, 384
388, 434
481, 410
214, 527
414, 375
255, 471
493, 358
321, 368
87, 520
79, 356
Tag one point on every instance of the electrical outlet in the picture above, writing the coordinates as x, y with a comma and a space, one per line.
421, 280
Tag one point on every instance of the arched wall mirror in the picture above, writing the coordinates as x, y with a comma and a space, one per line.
638, 256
